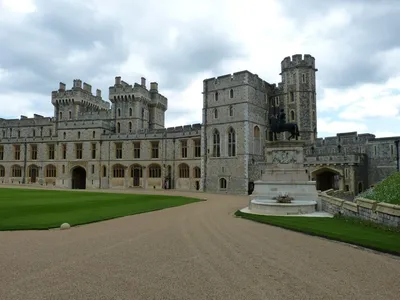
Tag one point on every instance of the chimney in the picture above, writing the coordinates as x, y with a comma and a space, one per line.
143, 82
62, 87
98, 93
118, 80
77, 83
87, 87
153, 86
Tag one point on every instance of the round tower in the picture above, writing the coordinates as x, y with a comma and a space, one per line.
299, 94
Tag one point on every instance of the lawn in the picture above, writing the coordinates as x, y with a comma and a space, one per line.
22, 209
338, 228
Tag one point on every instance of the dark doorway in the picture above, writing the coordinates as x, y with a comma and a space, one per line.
250, 188
327, 180
360, 187
197, 185
136, 177
79, 178
34, 174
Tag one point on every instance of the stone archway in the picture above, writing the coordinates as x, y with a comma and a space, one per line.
78, 178
327, 178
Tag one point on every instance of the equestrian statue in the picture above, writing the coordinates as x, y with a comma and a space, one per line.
278, 125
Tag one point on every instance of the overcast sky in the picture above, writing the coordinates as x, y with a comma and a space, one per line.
178, 43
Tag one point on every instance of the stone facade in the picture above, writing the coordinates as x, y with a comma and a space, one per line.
89, 143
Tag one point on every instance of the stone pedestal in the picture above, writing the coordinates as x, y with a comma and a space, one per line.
284, 174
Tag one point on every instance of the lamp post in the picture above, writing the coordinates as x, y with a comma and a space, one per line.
397, 154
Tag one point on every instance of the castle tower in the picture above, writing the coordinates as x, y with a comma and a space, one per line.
299, 94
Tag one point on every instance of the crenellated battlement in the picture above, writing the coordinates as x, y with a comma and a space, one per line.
24, 121
122, 91
79, 94
298, 61
232, 80
345, 138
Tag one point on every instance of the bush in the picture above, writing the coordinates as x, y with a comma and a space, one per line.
387, 190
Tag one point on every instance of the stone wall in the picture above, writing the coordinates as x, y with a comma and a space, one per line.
366, 209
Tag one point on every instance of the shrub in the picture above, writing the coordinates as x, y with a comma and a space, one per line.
387, 190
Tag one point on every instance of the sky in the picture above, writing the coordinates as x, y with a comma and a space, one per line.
179, 43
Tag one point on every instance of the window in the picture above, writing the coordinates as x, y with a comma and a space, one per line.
231, 111
78, 150
118, 171
276, 101
196, 172
154, 149
130, 126
60, 115
136, 150
19, 133
70, 115
104, 171
256, 140
231, 142
63, 169
118, 150
50, 132
94, 134
303, 78
92, 169
64, 151
64, 135
130, 112
17, 152
16, 171
339, 148
392, 150
136, 171
51, 171
184, 149
118, 127
2, 171
1, 152
119, 112
33, 152
93, 150
216, 96
222, 183
216, 144
197, 148
291, 96
183, 171
33, 132
51, 151
154, 171
292, 118
231, 93
313, 115
79, 135
215, 113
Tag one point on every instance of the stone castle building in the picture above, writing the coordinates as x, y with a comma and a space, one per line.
89, 143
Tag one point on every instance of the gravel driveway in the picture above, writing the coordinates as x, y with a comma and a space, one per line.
198, 251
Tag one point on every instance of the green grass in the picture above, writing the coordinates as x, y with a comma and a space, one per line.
387, 190
23, 209
348, 230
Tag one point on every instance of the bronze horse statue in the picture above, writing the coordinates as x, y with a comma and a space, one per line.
278, 125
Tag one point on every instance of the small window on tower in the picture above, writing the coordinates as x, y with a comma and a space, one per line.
303, 78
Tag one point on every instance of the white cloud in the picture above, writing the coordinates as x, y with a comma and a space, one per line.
327, 126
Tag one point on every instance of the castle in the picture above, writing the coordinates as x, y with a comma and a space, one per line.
90, 144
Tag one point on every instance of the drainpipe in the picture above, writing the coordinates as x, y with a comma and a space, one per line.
397, 154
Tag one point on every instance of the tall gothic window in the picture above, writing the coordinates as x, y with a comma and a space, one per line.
231, 142
216, 144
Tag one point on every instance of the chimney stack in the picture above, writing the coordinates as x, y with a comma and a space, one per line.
143, 82
117, 80
98, 93
153, 86
62, 86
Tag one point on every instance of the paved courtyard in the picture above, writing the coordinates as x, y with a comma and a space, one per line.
198, 251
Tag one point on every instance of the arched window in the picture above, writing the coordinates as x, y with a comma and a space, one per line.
16, 171
222, 183
130, 112
256, 131
231, 93
154, 171
216, 96
216, 144
118, 127
183, 171
196, 172
215, 113
119, 112
231, 142
51, 171
2, 171
231, 111
19, 133
118, 171
130, 126
292, 115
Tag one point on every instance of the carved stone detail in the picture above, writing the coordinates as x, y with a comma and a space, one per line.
284, 157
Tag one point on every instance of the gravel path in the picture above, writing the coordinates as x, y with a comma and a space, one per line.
199, 251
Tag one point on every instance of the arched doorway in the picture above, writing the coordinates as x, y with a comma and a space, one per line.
79, 178
326, 179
